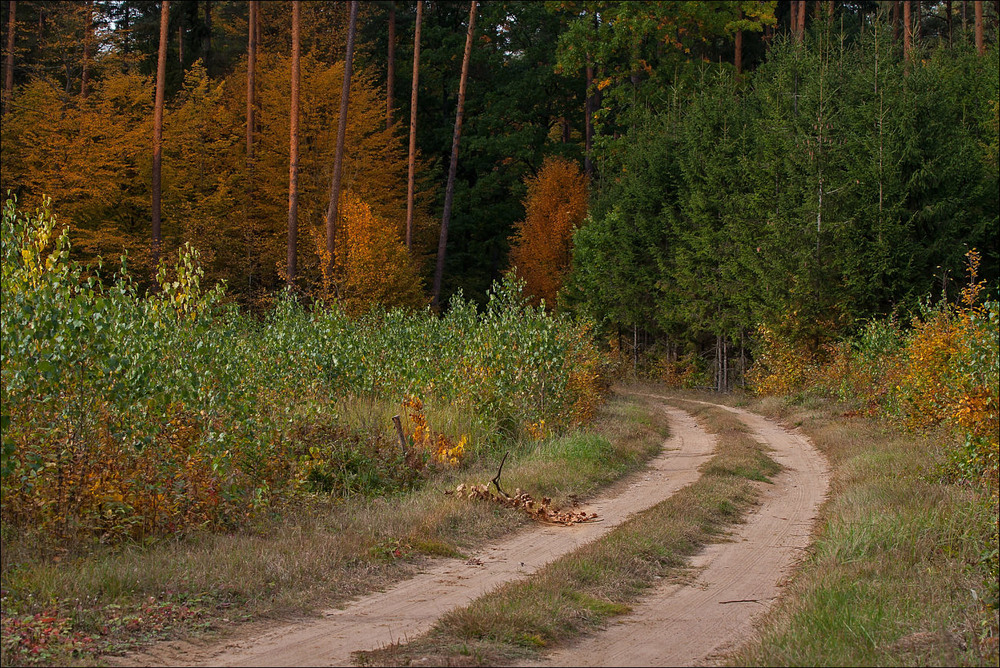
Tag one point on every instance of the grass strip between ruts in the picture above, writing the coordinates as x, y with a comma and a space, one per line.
581, 590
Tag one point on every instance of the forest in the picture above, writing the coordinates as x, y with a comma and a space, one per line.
264, 260
681, 173
702, 187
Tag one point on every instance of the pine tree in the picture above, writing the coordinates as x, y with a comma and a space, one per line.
293, 145
338, 160
410, 180
450, 191
161, 73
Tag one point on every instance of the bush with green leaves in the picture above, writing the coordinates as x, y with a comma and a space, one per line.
129, 415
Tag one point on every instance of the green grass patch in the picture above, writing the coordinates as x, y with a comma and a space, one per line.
900, 572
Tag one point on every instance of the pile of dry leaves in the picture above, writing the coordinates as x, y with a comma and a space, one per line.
539, 510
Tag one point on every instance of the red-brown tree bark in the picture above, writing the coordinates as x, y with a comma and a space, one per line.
8, 77
390, 76
338, 160
251, 76
907, 32
450, 190
161, 73
980, 46
293, 145
412, 166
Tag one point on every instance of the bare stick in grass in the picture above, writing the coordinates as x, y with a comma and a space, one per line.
496, 478
399, 433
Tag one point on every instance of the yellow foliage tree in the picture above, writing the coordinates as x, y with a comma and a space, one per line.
372, 263
92, 157
556, 205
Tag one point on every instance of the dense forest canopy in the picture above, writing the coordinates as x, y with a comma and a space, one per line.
797, 166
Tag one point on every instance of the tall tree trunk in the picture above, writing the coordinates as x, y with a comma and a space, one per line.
161, 73
965, 14
588, 120
895, 11
412, 169
738, 49
338, 160
126, 32
917, 25
251, 77
180, 46
450, 190
793, 19
88, 35
390, 76
980, 47
907, 33
206, 44
802, 20
293, 146
947, 11
8, 76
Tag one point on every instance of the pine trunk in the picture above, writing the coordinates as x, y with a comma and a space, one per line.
412, 163
88, 33
338, 160
390, 76
588, 123
8, 77
980, 46
293, 146
450, 190
251, 77
907, 33
947, 12
802, 21
161, 72
738, 50
206, 44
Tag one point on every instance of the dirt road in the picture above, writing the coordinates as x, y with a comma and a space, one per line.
696, 624
748, 569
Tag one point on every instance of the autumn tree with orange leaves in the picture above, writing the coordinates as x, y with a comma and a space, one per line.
555, 206
372, 264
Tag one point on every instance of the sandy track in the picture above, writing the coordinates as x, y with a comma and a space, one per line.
697, 624
411, 607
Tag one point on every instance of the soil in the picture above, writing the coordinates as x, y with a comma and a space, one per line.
691, 624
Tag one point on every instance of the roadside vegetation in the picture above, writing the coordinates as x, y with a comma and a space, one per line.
902, 571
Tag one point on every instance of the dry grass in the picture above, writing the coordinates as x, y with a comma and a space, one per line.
316, 554
580, 591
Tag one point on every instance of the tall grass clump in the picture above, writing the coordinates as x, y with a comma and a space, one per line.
130, 416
